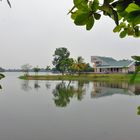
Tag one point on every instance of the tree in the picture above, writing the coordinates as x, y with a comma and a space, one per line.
48, 68
137, 70
61, 60
36, 70
79, 65
25, 68
125, 13
70, 62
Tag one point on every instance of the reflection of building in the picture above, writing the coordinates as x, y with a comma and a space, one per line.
101, 89
110, 65
137, 89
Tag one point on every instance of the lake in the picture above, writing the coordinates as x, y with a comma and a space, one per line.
68, 110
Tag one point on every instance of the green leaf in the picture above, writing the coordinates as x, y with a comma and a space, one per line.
81, 19
81, 4
95, 5
105, 8
133, 18
123, 34
138, 108
97, 16
137, 19
77, 2
138, 113
122, 25
137, 58
90, 23
76, 13
117, 29
132, 7
130, 31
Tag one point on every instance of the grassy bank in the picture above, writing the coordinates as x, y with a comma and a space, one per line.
89, 77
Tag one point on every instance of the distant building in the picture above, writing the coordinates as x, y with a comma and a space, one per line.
110, 65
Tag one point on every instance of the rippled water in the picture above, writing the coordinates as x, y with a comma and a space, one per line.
68, 110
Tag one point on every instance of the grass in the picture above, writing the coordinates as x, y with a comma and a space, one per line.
88, 77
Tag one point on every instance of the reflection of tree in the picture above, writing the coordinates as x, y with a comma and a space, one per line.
25, 85
1, 76
79, 92
64, 92
48, 85
36, 85
137, 89
138, 108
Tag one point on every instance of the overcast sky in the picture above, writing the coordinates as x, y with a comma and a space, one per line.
32, 29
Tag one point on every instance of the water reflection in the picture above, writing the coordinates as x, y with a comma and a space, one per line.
1, 76
138, 110
25, 85
80, 90
64, 91
48, 85
36, 84
108, 88
62, 94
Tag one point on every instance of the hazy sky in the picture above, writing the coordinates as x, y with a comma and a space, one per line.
32, 29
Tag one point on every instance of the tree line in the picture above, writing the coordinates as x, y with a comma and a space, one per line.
62, 63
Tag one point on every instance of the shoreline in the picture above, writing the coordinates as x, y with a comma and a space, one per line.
84, 77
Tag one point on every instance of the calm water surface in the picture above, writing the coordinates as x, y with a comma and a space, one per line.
68, 110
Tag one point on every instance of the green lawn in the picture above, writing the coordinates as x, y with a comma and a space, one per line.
89, 77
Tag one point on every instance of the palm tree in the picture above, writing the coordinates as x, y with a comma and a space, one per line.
79, 65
